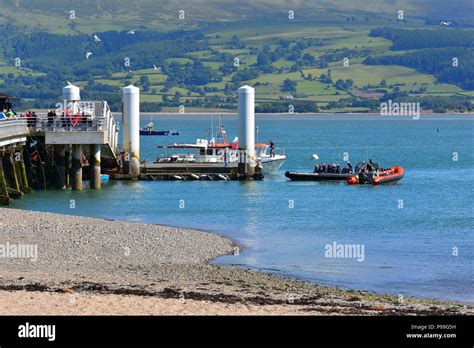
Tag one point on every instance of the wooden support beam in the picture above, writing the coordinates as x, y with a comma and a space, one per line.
21, 169
60, 163
4, 197
94, 165
76, 167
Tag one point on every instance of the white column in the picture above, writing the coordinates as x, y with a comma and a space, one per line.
247, 123
131, 128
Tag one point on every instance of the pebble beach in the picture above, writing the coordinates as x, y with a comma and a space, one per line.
86, 266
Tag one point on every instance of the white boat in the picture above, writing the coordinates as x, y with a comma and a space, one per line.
216, 154
271, 163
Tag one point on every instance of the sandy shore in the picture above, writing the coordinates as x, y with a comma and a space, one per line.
91, 266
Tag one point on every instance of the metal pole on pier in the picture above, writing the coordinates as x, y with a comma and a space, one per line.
71, 96
246, 131
131, 129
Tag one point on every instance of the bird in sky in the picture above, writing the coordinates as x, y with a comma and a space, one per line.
131, 32
154, 67
97, 39
88, 54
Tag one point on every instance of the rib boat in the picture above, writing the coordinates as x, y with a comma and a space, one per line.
377, 176
301, 176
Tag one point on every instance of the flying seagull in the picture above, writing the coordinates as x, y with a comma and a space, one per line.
131, 32
97, 39
154, 67
446, 23
88, 54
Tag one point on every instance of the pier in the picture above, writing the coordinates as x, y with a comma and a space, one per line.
71, 140
13, 180
80, 140
51, 150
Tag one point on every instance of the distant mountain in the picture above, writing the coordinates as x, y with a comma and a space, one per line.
162, 13
196, 53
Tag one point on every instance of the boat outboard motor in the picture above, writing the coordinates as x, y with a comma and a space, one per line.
364, 178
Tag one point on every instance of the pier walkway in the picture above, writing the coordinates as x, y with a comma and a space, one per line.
13, 132
90, 132
13, 180
96, 126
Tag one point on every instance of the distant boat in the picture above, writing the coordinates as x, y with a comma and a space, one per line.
149, 130
158, 132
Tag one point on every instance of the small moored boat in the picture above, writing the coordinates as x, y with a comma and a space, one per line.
374, 176
158, 132
149, 130
323, 172
296, 176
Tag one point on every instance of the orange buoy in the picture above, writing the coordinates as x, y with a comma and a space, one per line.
353, 180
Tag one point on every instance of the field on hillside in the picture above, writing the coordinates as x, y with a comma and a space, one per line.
316, 57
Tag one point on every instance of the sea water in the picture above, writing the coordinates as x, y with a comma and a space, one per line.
416, 235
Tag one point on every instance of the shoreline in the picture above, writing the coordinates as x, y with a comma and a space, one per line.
336, 115
93, 266
231, 113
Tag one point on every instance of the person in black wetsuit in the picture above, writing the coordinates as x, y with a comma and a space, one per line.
370, 166
349, 167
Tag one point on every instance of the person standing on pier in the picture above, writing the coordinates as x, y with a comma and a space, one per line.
121, 161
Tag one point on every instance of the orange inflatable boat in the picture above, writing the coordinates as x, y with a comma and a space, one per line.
377, 177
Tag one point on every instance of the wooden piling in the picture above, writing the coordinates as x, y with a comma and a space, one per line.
4, 196
68, 162
25, 185
13, 186
76, 167
60, 163
94, 164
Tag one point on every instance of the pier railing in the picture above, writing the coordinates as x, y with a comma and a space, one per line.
12, 131
96, 119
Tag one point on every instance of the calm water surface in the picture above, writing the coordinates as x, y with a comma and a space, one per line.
410, 230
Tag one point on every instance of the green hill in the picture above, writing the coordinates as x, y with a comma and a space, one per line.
101, 15
202, 58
